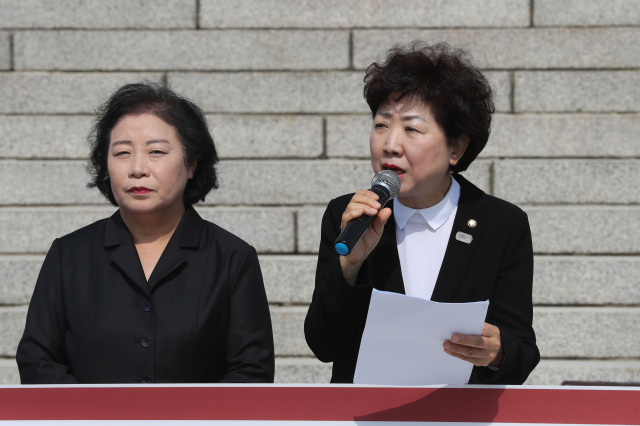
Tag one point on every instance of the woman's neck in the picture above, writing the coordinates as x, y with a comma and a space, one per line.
430, 199
148, 228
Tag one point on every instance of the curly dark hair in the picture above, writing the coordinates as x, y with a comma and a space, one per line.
186, 118
445, 78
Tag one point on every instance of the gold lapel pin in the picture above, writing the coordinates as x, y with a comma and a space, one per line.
472, 223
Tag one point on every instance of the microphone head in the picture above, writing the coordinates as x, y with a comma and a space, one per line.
390, 180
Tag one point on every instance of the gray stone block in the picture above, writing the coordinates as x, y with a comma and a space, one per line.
289, 182
46, 182
585, 230
268, 230
577, 91
479, 173
552, 372
32, 230
516, 48
287, 279
348, 136
288, 331
301, 370
586, 280
64, 137
362, 13
62, 93
309, 223
241, 182
5, 51
567, 181
586, 12
9, 372
501, 85
563, 135
266, 136
12, 319
44, 136
273, 92
98, 14
181, 50
587, 332
18, 275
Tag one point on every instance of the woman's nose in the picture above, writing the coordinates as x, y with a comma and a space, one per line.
393, 143
138, 167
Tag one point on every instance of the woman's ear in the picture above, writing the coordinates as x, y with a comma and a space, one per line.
458, 149
192, 169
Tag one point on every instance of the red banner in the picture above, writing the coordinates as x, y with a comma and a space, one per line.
476, 404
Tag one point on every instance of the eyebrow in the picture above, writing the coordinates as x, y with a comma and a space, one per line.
152, 141
387, 114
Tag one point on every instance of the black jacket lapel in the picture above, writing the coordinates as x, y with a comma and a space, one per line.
125, 256
472, 205
186, 236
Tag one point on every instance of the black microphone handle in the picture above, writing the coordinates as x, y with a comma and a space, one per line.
356, 228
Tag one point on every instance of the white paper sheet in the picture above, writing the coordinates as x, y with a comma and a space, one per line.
403, 337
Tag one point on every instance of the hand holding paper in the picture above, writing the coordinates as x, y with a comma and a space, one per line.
478, 350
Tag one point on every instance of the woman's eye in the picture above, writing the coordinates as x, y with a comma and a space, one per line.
157, 152
119, 153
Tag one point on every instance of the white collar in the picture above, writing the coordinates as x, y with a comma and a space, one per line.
435, 215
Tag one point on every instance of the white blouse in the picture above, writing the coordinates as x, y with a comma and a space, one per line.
422, 237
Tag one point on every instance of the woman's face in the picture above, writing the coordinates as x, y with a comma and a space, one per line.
406, 139
146, 165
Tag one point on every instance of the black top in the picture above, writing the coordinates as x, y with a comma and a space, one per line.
202, 316
497, 265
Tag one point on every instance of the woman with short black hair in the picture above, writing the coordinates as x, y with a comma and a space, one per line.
442, 238
154, 293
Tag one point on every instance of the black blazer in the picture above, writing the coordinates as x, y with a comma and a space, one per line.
202, 316
497, 265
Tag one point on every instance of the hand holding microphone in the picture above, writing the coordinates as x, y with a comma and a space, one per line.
363, 222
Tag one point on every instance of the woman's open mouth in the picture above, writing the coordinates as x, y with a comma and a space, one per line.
395, 169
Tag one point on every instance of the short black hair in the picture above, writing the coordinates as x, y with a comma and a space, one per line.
186, 118
446, 79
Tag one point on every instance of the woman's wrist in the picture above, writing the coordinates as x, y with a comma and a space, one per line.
350, 269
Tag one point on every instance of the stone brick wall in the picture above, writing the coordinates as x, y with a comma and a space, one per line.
281, 81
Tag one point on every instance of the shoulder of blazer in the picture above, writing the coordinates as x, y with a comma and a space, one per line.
87, 234
225, 239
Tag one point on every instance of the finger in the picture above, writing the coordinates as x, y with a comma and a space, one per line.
474, 361
367, 193
365, 200
349, 215
381, 219
469, 340
466, 351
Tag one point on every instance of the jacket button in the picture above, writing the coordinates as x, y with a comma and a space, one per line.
146, 379
146, 306
146, 342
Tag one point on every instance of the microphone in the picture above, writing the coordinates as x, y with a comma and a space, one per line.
387, 185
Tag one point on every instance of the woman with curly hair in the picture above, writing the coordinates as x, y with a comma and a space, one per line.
442, 239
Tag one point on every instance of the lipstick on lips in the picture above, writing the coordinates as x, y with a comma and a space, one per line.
397, 170
139, 190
